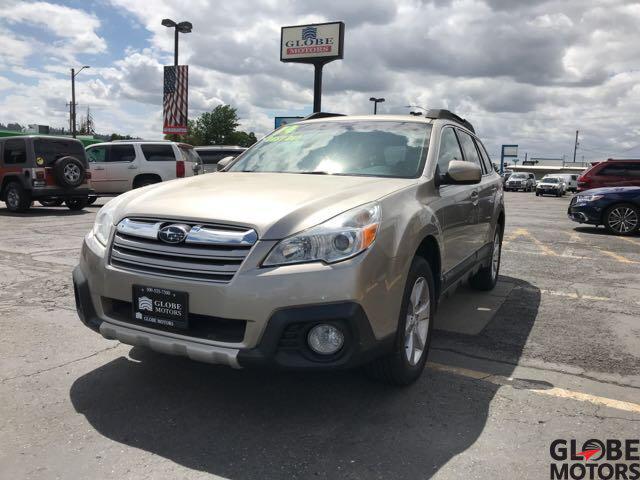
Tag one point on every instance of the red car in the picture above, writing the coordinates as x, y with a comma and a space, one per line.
612, 173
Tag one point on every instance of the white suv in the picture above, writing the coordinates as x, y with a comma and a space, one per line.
120, 166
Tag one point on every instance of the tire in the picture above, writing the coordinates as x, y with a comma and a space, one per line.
69, 172
537, 194
144, 181
76, 204
16, 197
91, 200
405, 363
622, 219
51, 203
487, 277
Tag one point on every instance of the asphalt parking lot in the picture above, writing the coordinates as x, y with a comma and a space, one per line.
553, 353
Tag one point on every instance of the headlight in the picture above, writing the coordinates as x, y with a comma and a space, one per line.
337, 239
104, 222
588, 198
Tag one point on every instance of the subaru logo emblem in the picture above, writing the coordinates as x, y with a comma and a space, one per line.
174, 233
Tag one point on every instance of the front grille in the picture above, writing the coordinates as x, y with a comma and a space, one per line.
208, 253
200, 326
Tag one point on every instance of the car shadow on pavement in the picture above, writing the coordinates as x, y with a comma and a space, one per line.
600, 231
47, 212
265, 424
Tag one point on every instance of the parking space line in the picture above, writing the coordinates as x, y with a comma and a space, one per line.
629, 240
503, 381
617, 257
523, 232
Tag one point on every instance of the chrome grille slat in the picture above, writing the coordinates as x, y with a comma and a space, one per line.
214, 254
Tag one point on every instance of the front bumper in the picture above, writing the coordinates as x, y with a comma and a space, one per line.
585, 213
547, 191
263, 315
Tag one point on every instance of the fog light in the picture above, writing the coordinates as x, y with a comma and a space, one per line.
325, 339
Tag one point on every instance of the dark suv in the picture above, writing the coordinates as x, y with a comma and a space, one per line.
51, 170
612, 173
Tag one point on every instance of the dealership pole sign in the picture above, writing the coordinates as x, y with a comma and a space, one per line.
508, 151
175, 99
318, 44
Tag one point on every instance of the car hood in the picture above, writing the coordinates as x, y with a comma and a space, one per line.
548, 184
276, 205
603, 190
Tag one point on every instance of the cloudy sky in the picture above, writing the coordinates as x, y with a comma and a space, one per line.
529, 72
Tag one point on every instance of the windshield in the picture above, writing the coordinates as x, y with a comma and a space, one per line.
519, 175
550, 180
51, 150
376, 148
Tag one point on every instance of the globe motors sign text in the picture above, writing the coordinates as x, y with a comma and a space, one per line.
312, 43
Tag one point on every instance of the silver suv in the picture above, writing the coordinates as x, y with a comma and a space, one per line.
328, 244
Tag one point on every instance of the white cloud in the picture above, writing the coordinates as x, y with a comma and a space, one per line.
528, 72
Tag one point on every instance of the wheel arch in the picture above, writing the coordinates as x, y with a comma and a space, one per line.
8, 179
144, 176
429, 249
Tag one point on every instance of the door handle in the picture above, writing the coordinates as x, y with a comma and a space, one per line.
132, 167
474, 197
98, 168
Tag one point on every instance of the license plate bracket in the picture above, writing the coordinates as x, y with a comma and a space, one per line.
160, 307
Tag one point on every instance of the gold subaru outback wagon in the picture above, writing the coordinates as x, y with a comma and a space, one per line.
325, 245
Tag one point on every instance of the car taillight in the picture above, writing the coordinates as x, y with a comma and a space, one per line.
40, 174
179, 169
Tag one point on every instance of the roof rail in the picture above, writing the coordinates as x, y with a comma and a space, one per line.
316, 115
437, 113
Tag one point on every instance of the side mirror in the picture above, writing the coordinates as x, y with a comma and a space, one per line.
196, 168
462, 173
223, 163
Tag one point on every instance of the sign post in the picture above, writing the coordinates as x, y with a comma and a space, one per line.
318, 44
508, 151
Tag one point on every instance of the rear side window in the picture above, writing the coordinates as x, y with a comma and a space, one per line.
15, 152
122, 153
449, 150
633, 170
469, 148
488, 166
158, 153
52, 150
615, 170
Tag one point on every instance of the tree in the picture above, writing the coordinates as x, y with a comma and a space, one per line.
217, 127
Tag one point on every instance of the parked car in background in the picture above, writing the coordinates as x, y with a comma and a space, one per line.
212, 154
612, 173
551, 185
571, 181
617, 208
524, 181
505, 176
120, 166
324, 246
52, 170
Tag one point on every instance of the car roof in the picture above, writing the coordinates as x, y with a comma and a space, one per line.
43, 137
368, 118
145, 142
219, 147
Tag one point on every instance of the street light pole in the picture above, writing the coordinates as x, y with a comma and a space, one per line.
182, 27
376, 101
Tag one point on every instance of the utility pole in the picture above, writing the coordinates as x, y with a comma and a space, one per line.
575, 147
73, 102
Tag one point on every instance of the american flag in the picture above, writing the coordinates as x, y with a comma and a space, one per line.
176, 80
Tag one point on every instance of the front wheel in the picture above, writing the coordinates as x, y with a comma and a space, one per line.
487, 277
622, 219
405, 363
76, 204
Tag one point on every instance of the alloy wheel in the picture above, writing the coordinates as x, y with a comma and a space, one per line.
417, 322
623, 219
72, 173
13, 198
